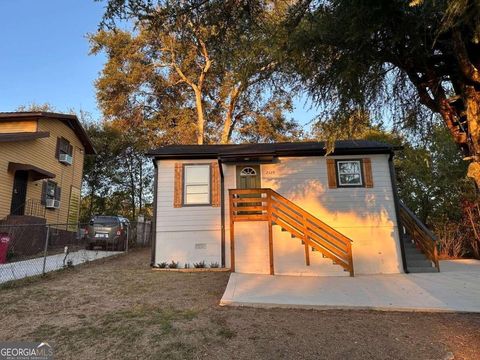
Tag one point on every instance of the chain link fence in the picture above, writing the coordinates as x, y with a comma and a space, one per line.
38, 248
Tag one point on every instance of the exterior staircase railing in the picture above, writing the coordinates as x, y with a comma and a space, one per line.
31, 207
423, 238
268, 205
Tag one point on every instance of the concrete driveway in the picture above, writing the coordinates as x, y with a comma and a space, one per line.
455, 288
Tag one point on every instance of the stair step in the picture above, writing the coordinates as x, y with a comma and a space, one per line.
415, 256
419, 263
414, 269
412, 251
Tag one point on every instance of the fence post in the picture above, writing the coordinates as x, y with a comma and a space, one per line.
128, 238
45, 250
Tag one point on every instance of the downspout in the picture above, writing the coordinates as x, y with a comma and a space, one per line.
393, 180
222, 210
154, 220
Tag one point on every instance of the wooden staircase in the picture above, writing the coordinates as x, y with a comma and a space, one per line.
314, 234
420, 243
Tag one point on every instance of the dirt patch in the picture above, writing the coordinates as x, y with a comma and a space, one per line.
119, 308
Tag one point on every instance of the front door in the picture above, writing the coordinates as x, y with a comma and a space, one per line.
19, 193
248, 177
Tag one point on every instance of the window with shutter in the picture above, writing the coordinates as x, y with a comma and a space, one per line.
197, 179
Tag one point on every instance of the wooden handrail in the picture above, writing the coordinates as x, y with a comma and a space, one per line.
268, 205
420, 234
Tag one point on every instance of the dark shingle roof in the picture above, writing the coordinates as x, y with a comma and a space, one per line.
69, 120
342, 147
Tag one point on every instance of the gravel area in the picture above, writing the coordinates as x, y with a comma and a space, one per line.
119, 308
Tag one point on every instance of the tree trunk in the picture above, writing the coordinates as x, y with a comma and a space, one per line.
472, 101
229, 125
200, 117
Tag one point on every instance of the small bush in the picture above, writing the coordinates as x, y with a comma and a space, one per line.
173, 265
200, 265
162, 265
214, 265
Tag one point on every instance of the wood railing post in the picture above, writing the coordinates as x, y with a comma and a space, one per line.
305, 240
270, 232
232, 233
350, 259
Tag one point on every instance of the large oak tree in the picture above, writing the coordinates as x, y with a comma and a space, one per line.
409, 57
193, 71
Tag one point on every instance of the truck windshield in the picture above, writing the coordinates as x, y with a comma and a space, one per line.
105, 221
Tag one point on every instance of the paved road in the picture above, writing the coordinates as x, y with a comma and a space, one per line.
455, 288
21, 269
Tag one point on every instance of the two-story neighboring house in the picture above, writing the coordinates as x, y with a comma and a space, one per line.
41, 166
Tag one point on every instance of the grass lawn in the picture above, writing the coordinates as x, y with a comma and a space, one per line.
119, 308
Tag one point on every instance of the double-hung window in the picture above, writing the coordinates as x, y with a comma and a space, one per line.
196, 190
349, 173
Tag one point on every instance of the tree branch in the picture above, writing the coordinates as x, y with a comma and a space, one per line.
468, 69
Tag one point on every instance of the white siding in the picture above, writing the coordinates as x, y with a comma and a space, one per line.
188, 234
366, 215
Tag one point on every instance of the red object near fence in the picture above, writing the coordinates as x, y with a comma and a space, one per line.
4, 241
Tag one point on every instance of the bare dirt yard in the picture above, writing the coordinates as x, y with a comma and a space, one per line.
118, 308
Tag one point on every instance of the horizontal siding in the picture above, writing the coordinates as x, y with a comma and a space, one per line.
366, 215
18, 126
304, 181
41, 153
188, 218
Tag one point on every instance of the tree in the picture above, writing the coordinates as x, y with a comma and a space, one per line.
189, 60
118, 178
417, 57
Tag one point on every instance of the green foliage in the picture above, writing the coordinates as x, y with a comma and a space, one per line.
200, 265
117, 179
431, 179
173, 265
190, 68
400, 59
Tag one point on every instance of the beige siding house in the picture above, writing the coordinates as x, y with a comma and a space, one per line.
41, 166
283, 209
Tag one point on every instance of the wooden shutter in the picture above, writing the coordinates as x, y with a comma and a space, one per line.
332, 174
215, 186
57, 149
58, 193
367, 172
43, 199
178, 186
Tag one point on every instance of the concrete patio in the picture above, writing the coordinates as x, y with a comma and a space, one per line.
456, 288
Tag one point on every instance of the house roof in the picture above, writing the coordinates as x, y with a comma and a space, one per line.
342, 147
68, 119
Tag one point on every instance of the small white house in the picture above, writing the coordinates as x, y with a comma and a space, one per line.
281, 208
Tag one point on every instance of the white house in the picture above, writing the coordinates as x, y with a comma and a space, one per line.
286, 208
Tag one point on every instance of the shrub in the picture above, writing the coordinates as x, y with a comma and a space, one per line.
173, 265
200, 265
214, 265
162, 265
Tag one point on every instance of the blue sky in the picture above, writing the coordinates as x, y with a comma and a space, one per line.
44, 55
